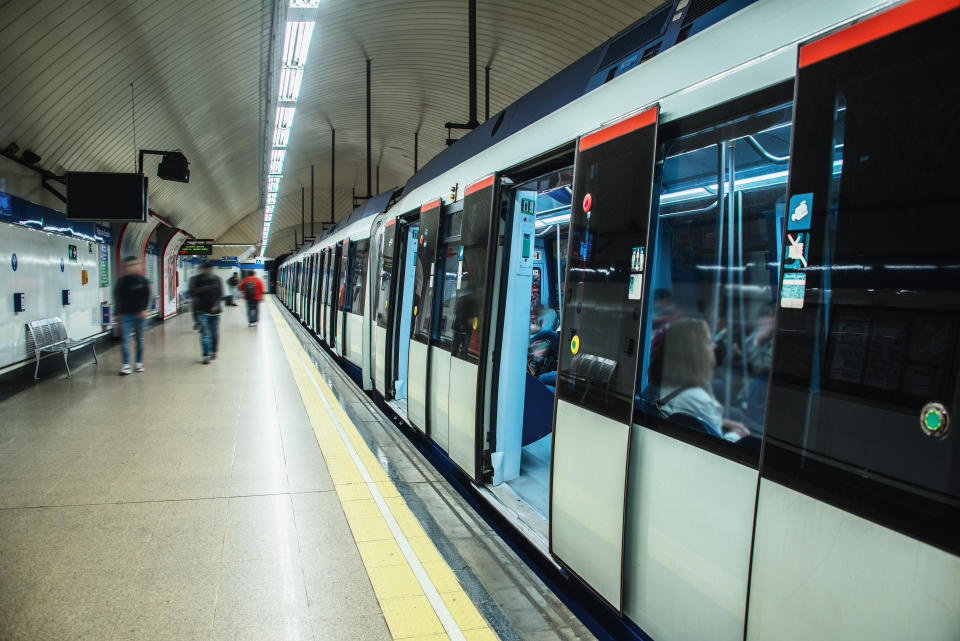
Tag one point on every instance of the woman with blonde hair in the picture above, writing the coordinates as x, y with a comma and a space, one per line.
681, 369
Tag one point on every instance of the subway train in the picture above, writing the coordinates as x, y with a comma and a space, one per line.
688, 312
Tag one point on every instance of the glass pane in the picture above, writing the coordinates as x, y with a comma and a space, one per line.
598, 352
386, 275
425, 275
359, 275
710, 326
451, 255
874, 336
471, 281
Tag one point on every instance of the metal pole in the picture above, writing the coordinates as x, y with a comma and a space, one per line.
303, 213
311, 201
486, 94
416, 149
473, 63
368, 131
333, 169
378, 179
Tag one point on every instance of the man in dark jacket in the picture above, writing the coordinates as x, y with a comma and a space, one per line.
206, 290
131, 296
232, 283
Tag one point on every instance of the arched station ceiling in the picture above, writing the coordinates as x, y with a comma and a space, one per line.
200, 74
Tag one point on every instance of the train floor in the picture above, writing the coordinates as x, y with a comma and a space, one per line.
259, 496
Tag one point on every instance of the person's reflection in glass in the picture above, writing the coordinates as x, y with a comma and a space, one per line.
681, 371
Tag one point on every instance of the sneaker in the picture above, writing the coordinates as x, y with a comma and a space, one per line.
206, 359
213, 356
126, 369
139, 367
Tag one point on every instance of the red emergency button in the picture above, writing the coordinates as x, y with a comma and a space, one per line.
587, 202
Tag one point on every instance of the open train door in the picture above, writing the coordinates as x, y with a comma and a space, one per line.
421, 334
335, 297
612, 186
470, 326
382, 278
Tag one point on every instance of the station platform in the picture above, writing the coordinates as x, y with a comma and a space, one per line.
260, 496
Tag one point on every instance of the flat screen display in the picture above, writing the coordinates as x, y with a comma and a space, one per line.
196, 248
107, 197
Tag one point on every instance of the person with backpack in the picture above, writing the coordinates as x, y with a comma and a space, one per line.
233, 283
252, 290
207, 292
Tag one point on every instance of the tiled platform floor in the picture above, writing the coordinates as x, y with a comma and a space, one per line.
194, 502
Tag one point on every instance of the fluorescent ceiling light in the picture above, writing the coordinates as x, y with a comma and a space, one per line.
290, 79
268, 218
268, 209
296, 43
273, 183
272, 198
281, 137
284, 117
276, 160
304, 4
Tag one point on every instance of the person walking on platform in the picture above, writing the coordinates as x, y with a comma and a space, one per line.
233, 283
132, 295
207, 293
252, 290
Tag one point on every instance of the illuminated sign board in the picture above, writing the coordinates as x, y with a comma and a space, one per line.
197, 247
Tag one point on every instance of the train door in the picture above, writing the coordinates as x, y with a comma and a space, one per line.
466, 298
383, 308
858, 518
325, 316
445, 299
597, 368
335, 295
402, 292
711, 273
375, 271
344, 297
537, 200
422, 324
318, 309
308, 299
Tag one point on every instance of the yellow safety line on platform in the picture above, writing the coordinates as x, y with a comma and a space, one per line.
420, 596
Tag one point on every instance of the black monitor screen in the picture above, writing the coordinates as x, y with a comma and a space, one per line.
106, 197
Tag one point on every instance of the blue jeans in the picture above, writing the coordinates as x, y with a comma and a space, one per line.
209, 333
252, 310
131, 324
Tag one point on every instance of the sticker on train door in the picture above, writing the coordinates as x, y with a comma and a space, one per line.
801, 206
793, 290
797, 250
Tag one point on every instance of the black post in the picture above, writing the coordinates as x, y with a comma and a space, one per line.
416, 149
303, 213
369, 186
486, 94
311, 201
295, 239
473, 63
333, 170
378, 179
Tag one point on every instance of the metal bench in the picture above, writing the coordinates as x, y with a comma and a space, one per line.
50, 335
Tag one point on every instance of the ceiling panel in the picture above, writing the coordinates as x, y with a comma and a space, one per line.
197, 86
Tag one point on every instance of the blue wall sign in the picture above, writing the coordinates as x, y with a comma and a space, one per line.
13, 261
801, 210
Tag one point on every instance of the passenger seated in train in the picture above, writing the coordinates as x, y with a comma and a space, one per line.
681, 372
759, 344
544, 346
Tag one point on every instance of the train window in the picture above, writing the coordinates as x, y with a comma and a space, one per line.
714, 274
450, 259
358, 275
867, 366
386, 274
425, 274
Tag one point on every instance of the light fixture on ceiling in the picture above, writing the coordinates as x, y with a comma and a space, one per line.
296, 43
290, 80
271, 198
304, 4
273, 184
276, 160
268, 209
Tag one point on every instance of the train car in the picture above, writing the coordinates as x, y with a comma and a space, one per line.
695, 326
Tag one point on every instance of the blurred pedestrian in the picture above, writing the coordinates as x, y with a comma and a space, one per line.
233, 283
252, 289
131, 295
207, 294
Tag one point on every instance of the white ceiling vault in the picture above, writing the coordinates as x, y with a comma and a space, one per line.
200, 78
